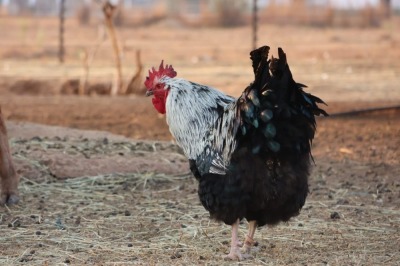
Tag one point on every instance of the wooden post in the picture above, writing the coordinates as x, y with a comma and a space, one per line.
108, 10
61, 50
136, 83
255, 24
387, 8
8, 175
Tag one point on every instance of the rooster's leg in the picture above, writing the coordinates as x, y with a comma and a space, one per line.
234, 253
249, 241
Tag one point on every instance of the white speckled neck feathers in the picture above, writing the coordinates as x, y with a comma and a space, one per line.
191, 111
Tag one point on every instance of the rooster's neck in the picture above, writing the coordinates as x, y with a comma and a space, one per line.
191, 111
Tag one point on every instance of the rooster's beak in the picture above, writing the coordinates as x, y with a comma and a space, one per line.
149, 93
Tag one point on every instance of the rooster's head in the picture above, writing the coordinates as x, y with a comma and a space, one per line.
156, 87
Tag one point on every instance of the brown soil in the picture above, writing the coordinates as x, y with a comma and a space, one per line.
134, 202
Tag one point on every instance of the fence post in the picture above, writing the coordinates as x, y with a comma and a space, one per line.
255, 24
108, 11
387, 8
61, 50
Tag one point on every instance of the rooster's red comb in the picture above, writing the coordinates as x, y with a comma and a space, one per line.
168, 71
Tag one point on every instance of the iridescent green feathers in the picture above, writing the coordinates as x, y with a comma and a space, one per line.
273, 119
274, 99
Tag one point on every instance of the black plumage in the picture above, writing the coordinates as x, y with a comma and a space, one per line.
266, 179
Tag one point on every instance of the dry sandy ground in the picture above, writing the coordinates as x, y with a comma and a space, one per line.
96, 198
102, 199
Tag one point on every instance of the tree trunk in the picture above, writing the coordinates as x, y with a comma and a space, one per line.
8, 175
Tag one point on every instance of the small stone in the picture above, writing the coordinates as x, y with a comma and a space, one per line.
130, 245
176, 256
24, 259
335, 216
38, 233
342, 202
36, 138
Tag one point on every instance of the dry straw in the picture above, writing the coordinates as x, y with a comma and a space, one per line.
156, 219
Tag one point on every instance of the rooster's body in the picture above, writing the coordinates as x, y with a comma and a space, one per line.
251, 155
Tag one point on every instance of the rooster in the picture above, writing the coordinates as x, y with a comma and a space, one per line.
251, 155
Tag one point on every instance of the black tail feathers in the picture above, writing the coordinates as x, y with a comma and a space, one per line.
276, 114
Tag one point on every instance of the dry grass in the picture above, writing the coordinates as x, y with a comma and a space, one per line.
155, 219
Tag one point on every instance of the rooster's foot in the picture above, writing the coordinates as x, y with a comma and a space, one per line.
249, 243
234, 254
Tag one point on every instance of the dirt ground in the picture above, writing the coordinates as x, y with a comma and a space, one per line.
89, 197
102, 183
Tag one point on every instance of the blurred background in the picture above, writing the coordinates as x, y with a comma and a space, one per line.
61, 60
